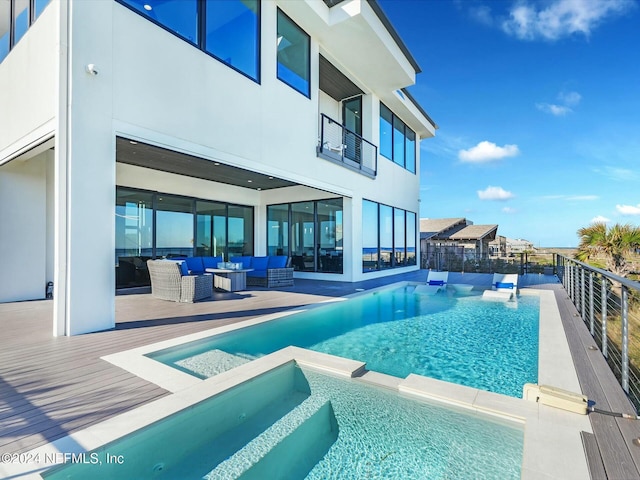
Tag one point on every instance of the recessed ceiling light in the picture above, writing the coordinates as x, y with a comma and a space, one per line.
250, 181
259, 189
132, 142
147, 7
270, 178
216, 163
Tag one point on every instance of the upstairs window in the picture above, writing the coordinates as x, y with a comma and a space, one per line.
16, 16
228, 30
294, 64
178, 16
397, 141
233, 34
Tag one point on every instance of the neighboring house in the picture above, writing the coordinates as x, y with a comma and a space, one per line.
498, 247
132, 130
519, 245
456, 232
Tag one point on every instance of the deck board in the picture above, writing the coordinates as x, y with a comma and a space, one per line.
50, 387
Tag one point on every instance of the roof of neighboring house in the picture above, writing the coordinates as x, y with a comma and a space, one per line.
475, 232
439, 225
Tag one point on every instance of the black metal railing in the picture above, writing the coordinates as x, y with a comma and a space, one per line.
339, 144
610, 307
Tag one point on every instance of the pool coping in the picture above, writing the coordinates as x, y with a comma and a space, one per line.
552, 442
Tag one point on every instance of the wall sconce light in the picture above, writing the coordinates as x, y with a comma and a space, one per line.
91, 69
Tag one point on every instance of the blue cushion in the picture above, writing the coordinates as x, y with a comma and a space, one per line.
211, 262
184, 269
260, 263
195, 264
439, 283
257, 274
245, 261
504, 285
277, 261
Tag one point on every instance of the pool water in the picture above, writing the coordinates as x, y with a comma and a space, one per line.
466, 340
291, 423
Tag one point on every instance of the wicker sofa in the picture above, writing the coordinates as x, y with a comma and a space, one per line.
271, 271
171, 281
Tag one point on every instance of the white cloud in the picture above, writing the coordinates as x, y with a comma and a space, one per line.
557, 110
487, 152
570, 98
628, 209
600, 219
494, 193
561, 18
581, 198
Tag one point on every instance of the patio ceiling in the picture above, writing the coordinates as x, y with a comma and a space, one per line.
157, 158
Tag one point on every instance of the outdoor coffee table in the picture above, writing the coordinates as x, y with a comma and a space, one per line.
229, 280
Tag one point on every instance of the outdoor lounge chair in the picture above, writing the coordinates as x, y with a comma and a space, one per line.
436, 281
170, 280
504, 287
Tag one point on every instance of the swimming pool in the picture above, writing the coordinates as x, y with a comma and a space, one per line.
487, 345
298, 423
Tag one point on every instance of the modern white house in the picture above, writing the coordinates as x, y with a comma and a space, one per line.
139, 129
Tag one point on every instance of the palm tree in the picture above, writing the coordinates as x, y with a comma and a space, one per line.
614, 244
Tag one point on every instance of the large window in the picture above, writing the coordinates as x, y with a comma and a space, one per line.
388, 237
397, 140
156, 225
232, 34
229, 30
16, 16
294, 56
308, 232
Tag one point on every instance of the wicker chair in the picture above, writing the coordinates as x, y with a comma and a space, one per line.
168, 283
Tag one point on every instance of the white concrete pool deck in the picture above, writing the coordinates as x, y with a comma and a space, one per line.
552, 443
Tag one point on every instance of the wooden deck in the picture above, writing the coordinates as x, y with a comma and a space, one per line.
50, 387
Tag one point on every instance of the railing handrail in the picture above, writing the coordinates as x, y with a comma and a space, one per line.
605, 273
331, 120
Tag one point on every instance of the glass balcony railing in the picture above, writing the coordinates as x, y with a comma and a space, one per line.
339, 144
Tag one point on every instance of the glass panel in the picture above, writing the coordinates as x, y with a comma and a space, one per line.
398, 141
179, 16
411, 150
302, 236
386, 236
351, 117
386, 132
174, 227
21, 19
330, 235
39, 6
5, 27
232, 33
369, 236
240, 231
211, 229
398, 237
278, 229
134, 237
411, 238
293, 54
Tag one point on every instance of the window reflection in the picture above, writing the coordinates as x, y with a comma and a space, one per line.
174, 226
240, 231
20, 19
179, 16
302, 236
330, 236
369, 236
397, 140
386, 132
411, 238
5, 27
231, 35
293, 55
386, 236
278, 229
211, 229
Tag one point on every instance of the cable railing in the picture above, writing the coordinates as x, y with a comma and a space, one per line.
339, 144
610, 307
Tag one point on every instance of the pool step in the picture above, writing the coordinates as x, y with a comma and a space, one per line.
288, 449
213, 362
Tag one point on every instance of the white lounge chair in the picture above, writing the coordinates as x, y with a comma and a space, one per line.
504, 287
436, 281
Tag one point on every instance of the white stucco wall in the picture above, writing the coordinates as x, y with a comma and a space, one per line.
23, 220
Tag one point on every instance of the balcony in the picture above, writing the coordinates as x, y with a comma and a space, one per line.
340, 145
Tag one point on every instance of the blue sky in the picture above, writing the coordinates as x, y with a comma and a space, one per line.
538, 108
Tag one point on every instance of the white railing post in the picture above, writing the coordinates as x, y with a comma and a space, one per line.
591, 319
584, 318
